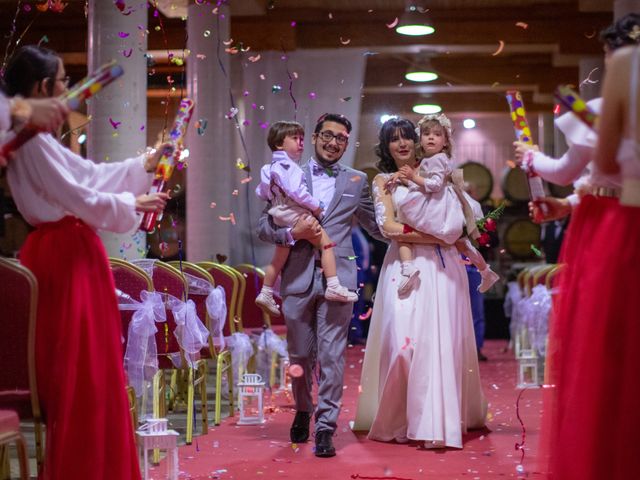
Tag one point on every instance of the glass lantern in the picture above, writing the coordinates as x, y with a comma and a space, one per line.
251, 391
155, 435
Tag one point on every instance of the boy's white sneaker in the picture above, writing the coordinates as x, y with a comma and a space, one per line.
268, 304
340, 294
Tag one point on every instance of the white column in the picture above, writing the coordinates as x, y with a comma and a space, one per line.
211, 171
114, 36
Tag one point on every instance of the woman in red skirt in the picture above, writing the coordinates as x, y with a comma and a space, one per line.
79, 367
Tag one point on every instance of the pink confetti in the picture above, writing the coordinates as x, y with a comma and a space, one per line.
123, 34
254, 59
213, 205
127, 53
312, 95
499, 50
114, 124
345, 41
296, 370
407, 343
393, 24
366, 314
293, 24
235, 193
245, 180
522, 25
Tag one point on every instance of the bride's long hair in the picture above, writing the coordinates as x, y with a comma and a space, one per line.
407, 130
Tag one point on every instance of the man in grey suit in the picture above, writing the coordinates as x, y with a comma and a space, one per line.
317, 328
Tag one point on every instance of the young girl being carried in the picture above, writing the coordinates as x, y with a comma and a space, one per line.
282, 182
437, 204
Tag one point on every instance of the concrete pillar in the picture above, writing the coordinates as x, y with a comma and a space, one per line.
211, 172
113, 35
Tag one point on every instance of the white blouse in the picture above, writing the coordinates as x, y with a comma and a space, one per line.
49, 182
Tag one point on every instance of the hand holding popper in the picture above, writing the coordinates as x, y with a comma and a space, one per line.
523, 134
167, 161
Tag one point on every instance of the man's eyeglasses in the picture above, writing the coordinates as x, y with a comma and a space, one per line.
327, 136
64, 80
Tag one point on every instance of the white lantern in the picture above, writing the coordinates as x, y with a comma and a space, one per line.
250, 391
155, 435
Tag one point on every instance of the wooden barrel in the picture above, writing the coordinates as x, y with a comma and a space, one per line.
519, 236
514, 185
479, 179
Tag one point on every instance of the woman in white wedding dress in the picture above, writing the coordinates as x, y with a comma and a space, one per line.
420, 378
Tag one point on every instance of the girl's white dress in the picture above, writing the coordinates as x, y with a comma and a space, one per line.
420, 376
436, 209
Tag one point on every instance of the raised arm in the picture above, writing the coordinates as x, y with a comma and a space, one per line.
385, 217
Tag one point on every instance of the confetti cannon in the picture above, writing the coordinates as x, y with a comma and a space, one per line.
81, 91
523, 134
573, 102
168, 160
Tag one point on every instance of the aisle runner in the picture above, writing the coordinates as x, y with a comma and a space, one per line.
239, 453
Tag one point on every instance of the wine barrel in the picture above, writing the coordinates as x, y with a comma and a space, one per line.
479, 179
514, 185
519, 236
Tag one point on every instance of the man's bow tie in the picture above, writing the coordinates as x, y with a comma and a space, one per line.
331, 170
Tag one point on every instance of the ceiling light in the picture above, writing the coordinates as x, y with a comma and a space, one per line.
414, 23
385, 117
421, 76
469, 123
427, 108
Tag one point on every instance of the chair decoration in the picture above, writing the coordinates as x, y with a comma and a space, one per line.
241, 351
190, 332
269, 345
141, 355
216, 305
536, 317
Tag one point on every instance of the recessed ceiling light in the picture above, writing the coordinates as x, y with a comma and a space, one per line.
427, 108
415, 30
421, 76
385, 117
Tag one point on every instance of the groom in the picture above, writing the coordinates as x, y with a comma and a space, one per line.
317, 328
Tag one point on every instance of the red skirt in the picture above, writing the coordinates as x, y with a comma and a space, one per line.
596, 332
81, 383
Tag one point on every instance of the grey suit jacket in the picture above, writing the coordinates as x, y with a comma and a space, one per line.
351, 198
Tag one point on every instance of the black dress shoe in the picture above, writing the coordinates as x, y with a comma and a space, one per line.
299, 432
324, 444
482, 357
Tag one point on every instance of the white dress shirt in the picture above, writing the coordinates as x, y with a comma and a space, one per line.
49, 181
323, 186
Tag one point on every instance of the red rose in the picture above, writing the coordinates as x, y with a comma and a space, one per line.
484, 239
490, 225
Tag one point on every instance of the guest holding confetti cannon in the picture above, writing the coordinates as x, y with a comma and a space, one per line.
597, 395
79, 366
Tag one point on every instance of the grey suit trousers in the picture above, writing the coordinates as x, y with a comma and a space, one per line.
317, 330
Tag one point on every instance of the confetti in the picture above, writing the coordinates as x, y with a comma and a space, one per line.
228, 42
345, 99
499, 50
522, 25
345, 41
113, 123
366, 315
213, 205
201, 126
245, 180
127, 53
276, 89
296, 370
536, 250
123, 34
206, 33
393, 24
254, 59
235, 193
312, 95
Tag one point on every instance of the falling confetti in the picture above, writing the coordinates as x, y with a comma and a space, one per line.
127, 53
499, 50
245, 180
345, 99
536, 250
113, 123
345, 41
522, 25
296, 370
393, 24
366, 315
276, 89
254, 59
213, 205
123, 34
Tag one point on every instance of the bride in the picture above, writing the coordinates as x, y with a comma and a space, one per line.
420, 378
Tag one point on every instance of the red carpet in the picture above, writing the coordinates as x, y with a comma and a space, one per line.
250, 452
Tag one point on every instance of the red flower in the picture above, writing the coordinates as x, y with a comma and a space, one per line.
490, 225
484, 239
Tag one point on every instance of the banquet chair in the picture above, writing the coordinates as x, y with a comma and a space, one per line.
229, 281
221, 357
168, 280
540, 276
10, 433
18, 384
253, 317
131, 280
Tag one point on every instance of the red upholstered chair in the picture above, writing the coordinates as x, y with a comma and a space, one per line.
253, 317
131, 280
9, 433
540, 277
18, 385
167, 279
222, 358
